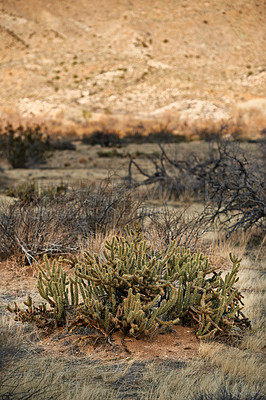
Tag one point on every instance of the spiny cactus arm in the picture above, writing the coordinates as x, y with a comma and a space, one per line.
207, 335
204, 326
89, 259
99, 315
230, 301
152, 303
47, 265
76, 294
74, 291
219, 312
15, 309
63, 290
179, 303
229, 317
129, 265
72, 296
228, 282
151, 322
134, 234
82, 291
167, 305
53, 282
129, 305
107, 322
195, 296
43, 273
141, 254
234, 259
81, 272
54, 290
44, 292
135, 318
112, 247
134, 329
59, 309
28, 302
187, 296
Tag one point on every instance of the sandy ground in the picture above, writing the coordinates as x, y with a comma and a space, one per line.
79, 62
91, 164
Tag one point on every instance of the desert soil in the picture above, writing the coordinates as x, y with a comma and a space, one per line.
92, 164
75, 63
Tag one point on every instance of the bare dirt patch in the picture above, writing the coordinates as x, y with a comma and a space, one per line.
173, 343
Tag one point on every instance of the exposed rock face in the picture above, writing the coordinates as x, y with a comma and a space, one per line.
77, 60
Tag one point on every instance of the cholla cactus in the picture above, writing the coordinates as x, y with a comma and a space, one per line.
53, 287
133, 288
203, 295
125, 288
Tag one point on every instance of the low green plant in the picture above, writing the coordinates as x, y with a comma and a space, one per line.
110, 154
133, 288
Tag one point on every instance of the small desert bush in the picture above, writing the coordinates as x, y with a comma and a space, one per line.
161, 134
103, 138
24, 146
164, 135
61, 144
180, 225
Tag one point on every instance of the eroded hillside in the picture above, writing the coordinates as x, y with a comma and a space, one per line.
76, 61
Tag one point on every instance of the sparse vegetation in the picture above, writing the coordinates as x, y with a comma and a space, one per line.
59, 221
182, 153
32, 192
232, 183
104, 293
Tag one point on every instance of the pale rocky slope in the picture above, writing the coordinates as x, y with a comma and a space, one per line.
75, 61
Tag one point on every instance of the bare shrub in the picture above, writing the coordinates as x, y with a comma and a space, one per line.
59, 224
171, 173
232, 182
237, 190
171, 224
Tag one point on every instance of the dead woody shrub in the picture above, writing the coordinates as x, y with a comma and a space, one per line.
59, 225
